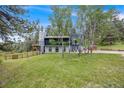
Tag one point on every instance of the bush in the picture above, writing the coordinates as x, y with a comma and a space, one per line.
108, 40
65, 43
52, 42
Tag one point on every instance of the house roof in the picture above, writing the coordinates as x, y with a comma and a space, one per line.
57, 37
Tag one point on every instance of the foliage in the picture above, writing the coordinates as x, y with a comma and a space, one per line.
65, 43
61, 20
10, 22
116, 46
52, 42
95, 24
108, 40
119, 24
31, 36
7, 46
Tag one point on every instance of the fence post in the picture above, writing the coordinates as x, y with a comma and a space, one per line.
5, 56
22, 55
33, 53
27, 54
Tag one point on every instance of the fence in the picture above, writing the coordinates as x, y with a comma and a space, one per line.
19, 55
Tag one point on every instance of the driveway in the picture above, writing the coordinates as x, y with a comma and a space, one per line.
109, 52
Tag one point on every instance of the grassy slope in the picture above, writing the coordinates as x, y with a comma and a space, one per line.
50, 70
114, 47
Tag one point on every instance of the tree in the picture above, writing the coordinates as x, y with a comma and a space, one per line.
10, 20
82, 21
49, 30
107, 26
35, 31
86, 23
31, 35
95, 24
67, 20
61, 21
119, 24
7, 46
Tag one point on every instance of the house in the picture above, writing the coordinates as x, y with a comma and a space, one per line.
56, 44
52, 44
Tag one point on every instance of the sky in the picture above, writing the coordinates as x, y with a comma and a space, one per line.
42, 13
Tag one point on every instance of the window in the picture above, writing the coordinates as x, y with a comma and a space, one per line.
64, 49
57, 49
50, 49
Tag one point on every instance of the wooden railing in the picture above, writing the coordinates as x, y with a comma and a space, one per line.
8, 55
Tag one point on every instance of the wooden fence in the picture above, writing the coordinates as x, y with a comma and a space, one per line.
19, 55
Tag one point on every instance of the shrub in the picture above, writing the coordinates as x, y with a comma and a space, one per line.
52, 42
65, 43
108, 40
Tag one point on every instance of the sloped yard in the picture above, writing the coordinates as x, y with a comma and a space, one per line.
51, 70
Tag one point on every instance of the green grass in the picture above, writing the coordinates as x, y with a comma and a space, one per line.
51, 70
117, 46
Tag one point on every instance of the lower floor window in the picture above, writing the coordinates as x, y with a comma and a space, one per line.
50, 49
57, 49
64, 49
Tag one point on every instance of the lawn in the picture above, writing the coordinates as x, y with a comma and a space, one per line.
118, 46
51, 70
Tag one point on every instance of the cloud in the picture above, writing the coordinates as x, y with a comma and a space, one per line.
121, 16
45, 24
74, 14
